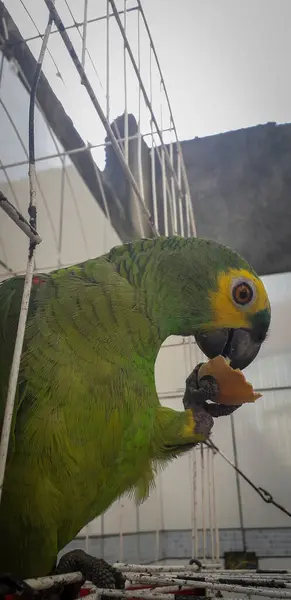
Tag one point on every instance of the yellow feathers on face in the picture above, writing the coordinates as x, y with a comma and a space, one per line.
239, 296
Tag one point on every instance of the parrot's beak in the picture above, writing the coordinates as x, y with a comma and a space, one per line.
241, 346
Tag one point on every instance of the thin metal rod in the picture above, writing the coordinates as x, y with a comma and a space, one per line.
203, 501
210, 505
173, 197
216, 530
137, 529
120, 532
107, 61
102, 526
130, 568
179, 161
179, 148
238, 486
125, 89
39, 35
84, 36
105, 123
84, 148
74, 25
62, 203
129, 594
139, 136
19, 220
146, 98
87, 537
210, 582
13, 378
86, 49
45, 583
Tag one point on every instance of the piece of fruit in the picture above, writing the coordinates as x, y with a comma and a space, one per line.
233, 386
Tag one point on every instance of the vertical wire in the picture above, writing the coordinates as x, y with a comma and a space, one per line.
217, 539
164, 175
107, 60
238, 486
84, 36
13, 378
125, 86
180, 199
139, 136
87, 539
164, 187
4, 263
137, 524
193, 471
102, 535
153, 162
61, 224
174, 200
158, 520
203, 501
210, 509
120, 532
161, 521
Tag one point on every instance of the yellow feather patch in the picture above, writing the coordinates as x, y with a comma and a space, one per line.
225, 312
189, 429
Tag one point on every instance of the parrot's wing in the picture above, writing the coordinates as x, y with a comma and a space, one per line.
86, 298
10, 303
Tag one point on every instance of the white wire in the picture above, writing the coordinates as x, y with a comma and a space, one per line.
13, 378
107, 61
84, 36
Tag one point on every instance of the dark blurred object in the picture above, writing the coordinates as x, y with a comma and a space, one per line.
241, 560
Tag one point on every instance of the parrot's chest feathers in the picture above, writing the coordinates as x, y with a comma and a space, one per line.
89, 446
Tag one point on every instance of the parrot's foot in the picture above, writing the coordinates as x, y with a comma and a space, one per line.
95, 570
11, 585
197, 395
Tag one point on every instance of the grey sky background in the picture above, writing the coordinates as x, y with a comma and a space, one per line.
226, 64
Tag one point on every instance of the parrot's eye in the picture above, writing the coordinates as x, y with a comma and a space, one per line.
243, 293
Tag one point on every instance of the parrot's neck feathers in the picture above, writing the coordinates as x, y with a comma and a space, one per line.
174, 278
152, 267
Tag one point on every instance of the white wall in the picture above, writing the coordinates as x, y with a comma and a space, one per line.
86, 233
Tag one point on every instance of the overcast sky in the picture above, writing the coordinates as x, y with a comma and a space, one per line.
226, 64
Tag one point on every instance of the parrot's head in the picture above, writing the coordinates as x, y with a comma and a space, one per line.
240, 319
221, 301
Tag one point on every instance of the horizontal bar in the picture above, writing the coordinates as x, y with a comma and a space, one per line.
76, 25
21, 163
19, 220
45, 583
132, 594
212, 583
127, 568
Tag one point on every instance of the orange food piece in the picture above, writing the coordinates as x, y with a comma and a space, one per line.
233, 386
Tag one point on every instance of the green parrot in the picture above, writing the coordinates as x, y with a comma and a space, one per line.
88, 425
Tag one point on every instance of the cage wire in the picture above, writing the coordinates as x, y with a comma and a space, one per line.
89, 67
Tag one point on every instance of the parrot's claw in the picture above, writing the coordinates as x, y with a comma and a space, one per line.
197, 394
95, 570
